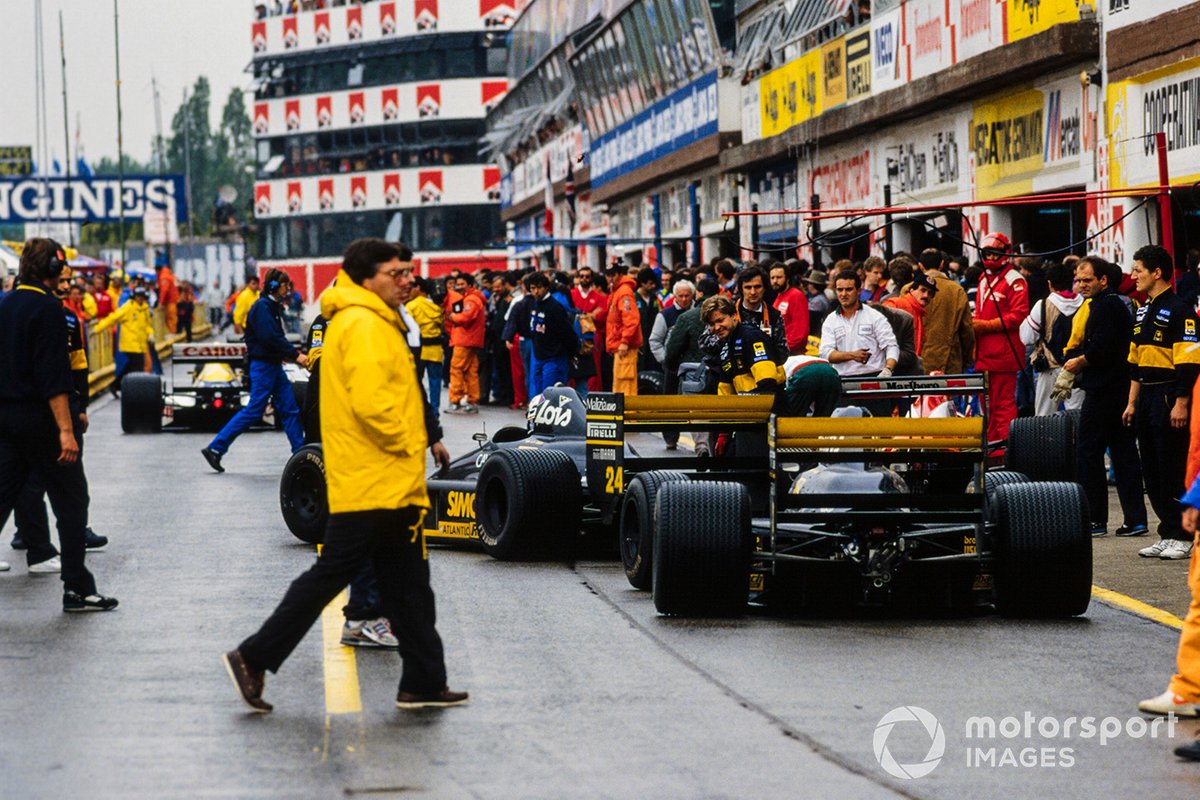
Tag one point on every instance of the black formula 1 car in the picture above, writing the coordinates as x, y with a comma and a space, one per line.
215, 388
518, 495
849, 509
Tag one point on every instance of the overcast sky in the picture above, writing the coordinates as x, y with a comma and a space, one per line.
175, 40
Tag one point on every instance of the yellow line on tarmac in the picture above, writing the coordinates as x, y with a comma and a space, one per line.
1137, 607
341, 671
687, 441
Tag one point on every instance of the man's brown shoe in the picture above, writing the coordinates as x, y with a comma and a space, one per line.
249, 682
439, 699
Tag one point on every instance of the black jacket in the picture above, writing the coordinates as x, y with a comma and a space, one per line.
34, 362
1106, 338
551, 331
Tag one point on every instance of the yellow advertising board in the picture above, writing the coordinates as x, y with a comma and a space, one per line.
833, 69
1027, 17
792, 94
1167, 100
1007, 136
858, 64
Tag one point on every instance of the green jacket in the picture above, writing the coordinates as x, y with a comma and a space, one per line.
683, 342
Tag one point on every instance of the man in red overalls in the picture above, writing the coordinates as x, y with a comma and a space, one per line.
1001, 304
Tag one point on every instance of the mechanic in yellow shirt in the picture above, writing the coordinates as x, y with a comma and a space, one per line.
241, 308
431, 319
137, 327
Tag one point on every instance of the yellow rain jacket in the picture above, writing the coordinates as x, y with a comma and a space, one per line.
372, 418
430, 318
241, 309
136, 326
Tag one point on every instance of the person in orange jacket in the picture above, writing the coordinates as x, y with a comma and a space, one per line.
623, 333
466, 317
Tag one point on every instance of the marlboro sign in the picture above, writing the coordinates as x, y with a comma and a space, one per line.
390, 103
496, 13
425, 12
262, 117
429, 100
325, 194
391, 189
324, 112
430, 182
357, 108
387, 18
295, 197
358, 191
258, 35
262, 199
291, 113
291, 34
321, 27
354, 27
491, 183
493, 92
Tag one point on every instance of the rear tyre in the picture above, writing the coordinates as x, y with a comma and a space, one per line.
636, 535
141, 403
1043, 550
302, 494
702, 549
1043, 448
650, 381
527, 500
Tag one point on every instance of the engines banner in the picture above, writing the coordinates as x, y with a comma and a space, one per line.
94, 199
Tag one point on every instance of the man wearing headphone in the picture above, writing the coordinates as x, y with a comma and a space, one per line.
268, 349
37, 432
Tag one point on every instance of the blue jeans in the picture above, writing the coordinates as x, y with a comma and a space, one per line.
365, 602
267, 381
549, 372
527, 363
433, 372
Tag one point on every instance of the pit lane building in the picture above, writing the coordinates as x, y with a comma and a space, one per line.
367, 119
669, 112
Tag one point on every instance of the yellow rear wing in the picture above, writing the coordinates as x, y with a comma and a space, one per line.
957, 434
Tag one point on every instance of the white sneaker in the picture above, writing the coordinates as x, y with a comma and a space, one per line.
1169, 703
1155, 550
47, 567
1176, 549
5, 566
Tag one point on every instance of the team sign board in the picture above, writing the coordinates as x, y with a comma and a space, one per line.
94, 199
16, 161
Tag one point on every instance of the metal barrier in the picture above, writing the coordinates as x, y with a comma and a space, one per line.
102, 346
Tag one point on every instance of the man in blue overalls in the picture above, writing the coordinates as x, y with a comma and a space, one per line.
268, 350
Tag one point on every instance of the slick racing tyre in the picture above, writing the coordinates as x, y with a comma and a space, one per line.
302, 495
702, 549
527, 501
1043, 550
1042, 448
636, 536
141, 403
650, 381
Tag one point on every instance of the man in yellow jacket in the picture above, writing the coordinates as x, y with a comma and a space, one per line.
431, 319
245, 300
137, 327
373, 428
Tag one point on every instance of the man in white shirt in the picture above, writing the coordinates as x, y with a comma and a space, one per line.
855, 339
